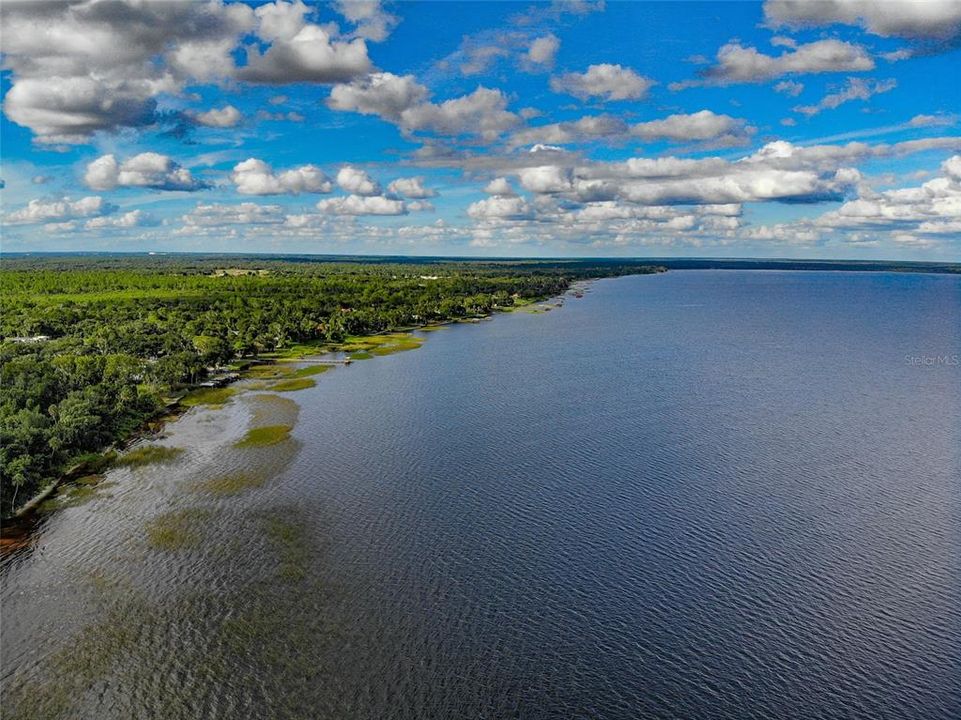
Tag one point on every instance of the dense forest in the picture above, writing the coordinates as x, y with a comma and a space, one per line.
90, 346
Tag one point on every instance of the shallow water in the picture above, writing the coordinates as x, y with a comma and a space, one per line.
694, 495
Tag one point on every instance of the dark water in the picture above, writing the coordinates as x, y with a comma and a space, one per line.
706, 494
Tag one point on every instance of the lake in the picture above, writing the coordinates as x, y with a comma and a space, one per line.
702, 494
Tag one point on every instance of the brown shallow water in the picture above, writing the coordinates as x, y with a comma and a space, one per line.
695, 495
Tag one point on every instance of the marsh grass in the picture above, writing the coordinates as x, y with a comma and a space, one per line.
177, 529
264, 436
147, 454
363, 348
297, 383
211, 397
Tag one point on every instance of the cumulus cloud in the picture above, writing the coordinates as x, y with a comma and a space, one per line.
483, 113
80, 68
854, 89
779, 172
256, 177
585, 129
248, 213
605, 81
499, 186
933, 209
703, 125
372, 21
911, 19
63, 210
411, 187
356, 181
738, 64
226, 117
542, 51
362, 205
501, 207
545, 179
383, 94
404, 102
698, 126
312, 55
132, 219
146, 170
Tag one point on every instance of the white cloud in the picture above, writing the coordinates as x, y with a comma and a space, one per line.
80, 68
698, 126
483, 113
256, 177
500, 207
545, 179
933, 209
703, 125
855, 89
226, 117
356, 181
403, 101
383, 94
311, 55
248, 213
362, 205
789, 87
738, 64
146, 170
604, 81
499, 186
411, 187
60, 210
543, 51
134, 218
371, 20
913, 19
940, 120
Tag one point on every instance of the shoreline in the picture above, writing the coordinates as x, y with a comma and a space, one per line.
18, 526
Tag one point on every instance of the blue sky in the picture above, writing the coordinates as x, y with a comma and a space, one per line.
775, 129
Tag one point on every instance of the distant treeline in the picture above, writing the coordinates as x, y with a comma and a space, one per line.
89, 345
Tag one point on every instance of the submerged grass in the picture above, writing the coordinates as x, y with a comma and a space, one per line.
147, 454
177, 529
289, 537
264, 436
231, 484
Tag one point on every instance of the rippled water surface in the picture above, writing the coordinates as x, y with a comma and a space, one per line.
695, 495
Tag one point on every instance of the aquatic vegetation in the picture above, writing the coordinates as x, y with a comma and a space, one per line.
76, 493
211, 397
289, 538
147, 454
264, 436
293, 384
177, 529
363, 348
309, 370
231, 484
